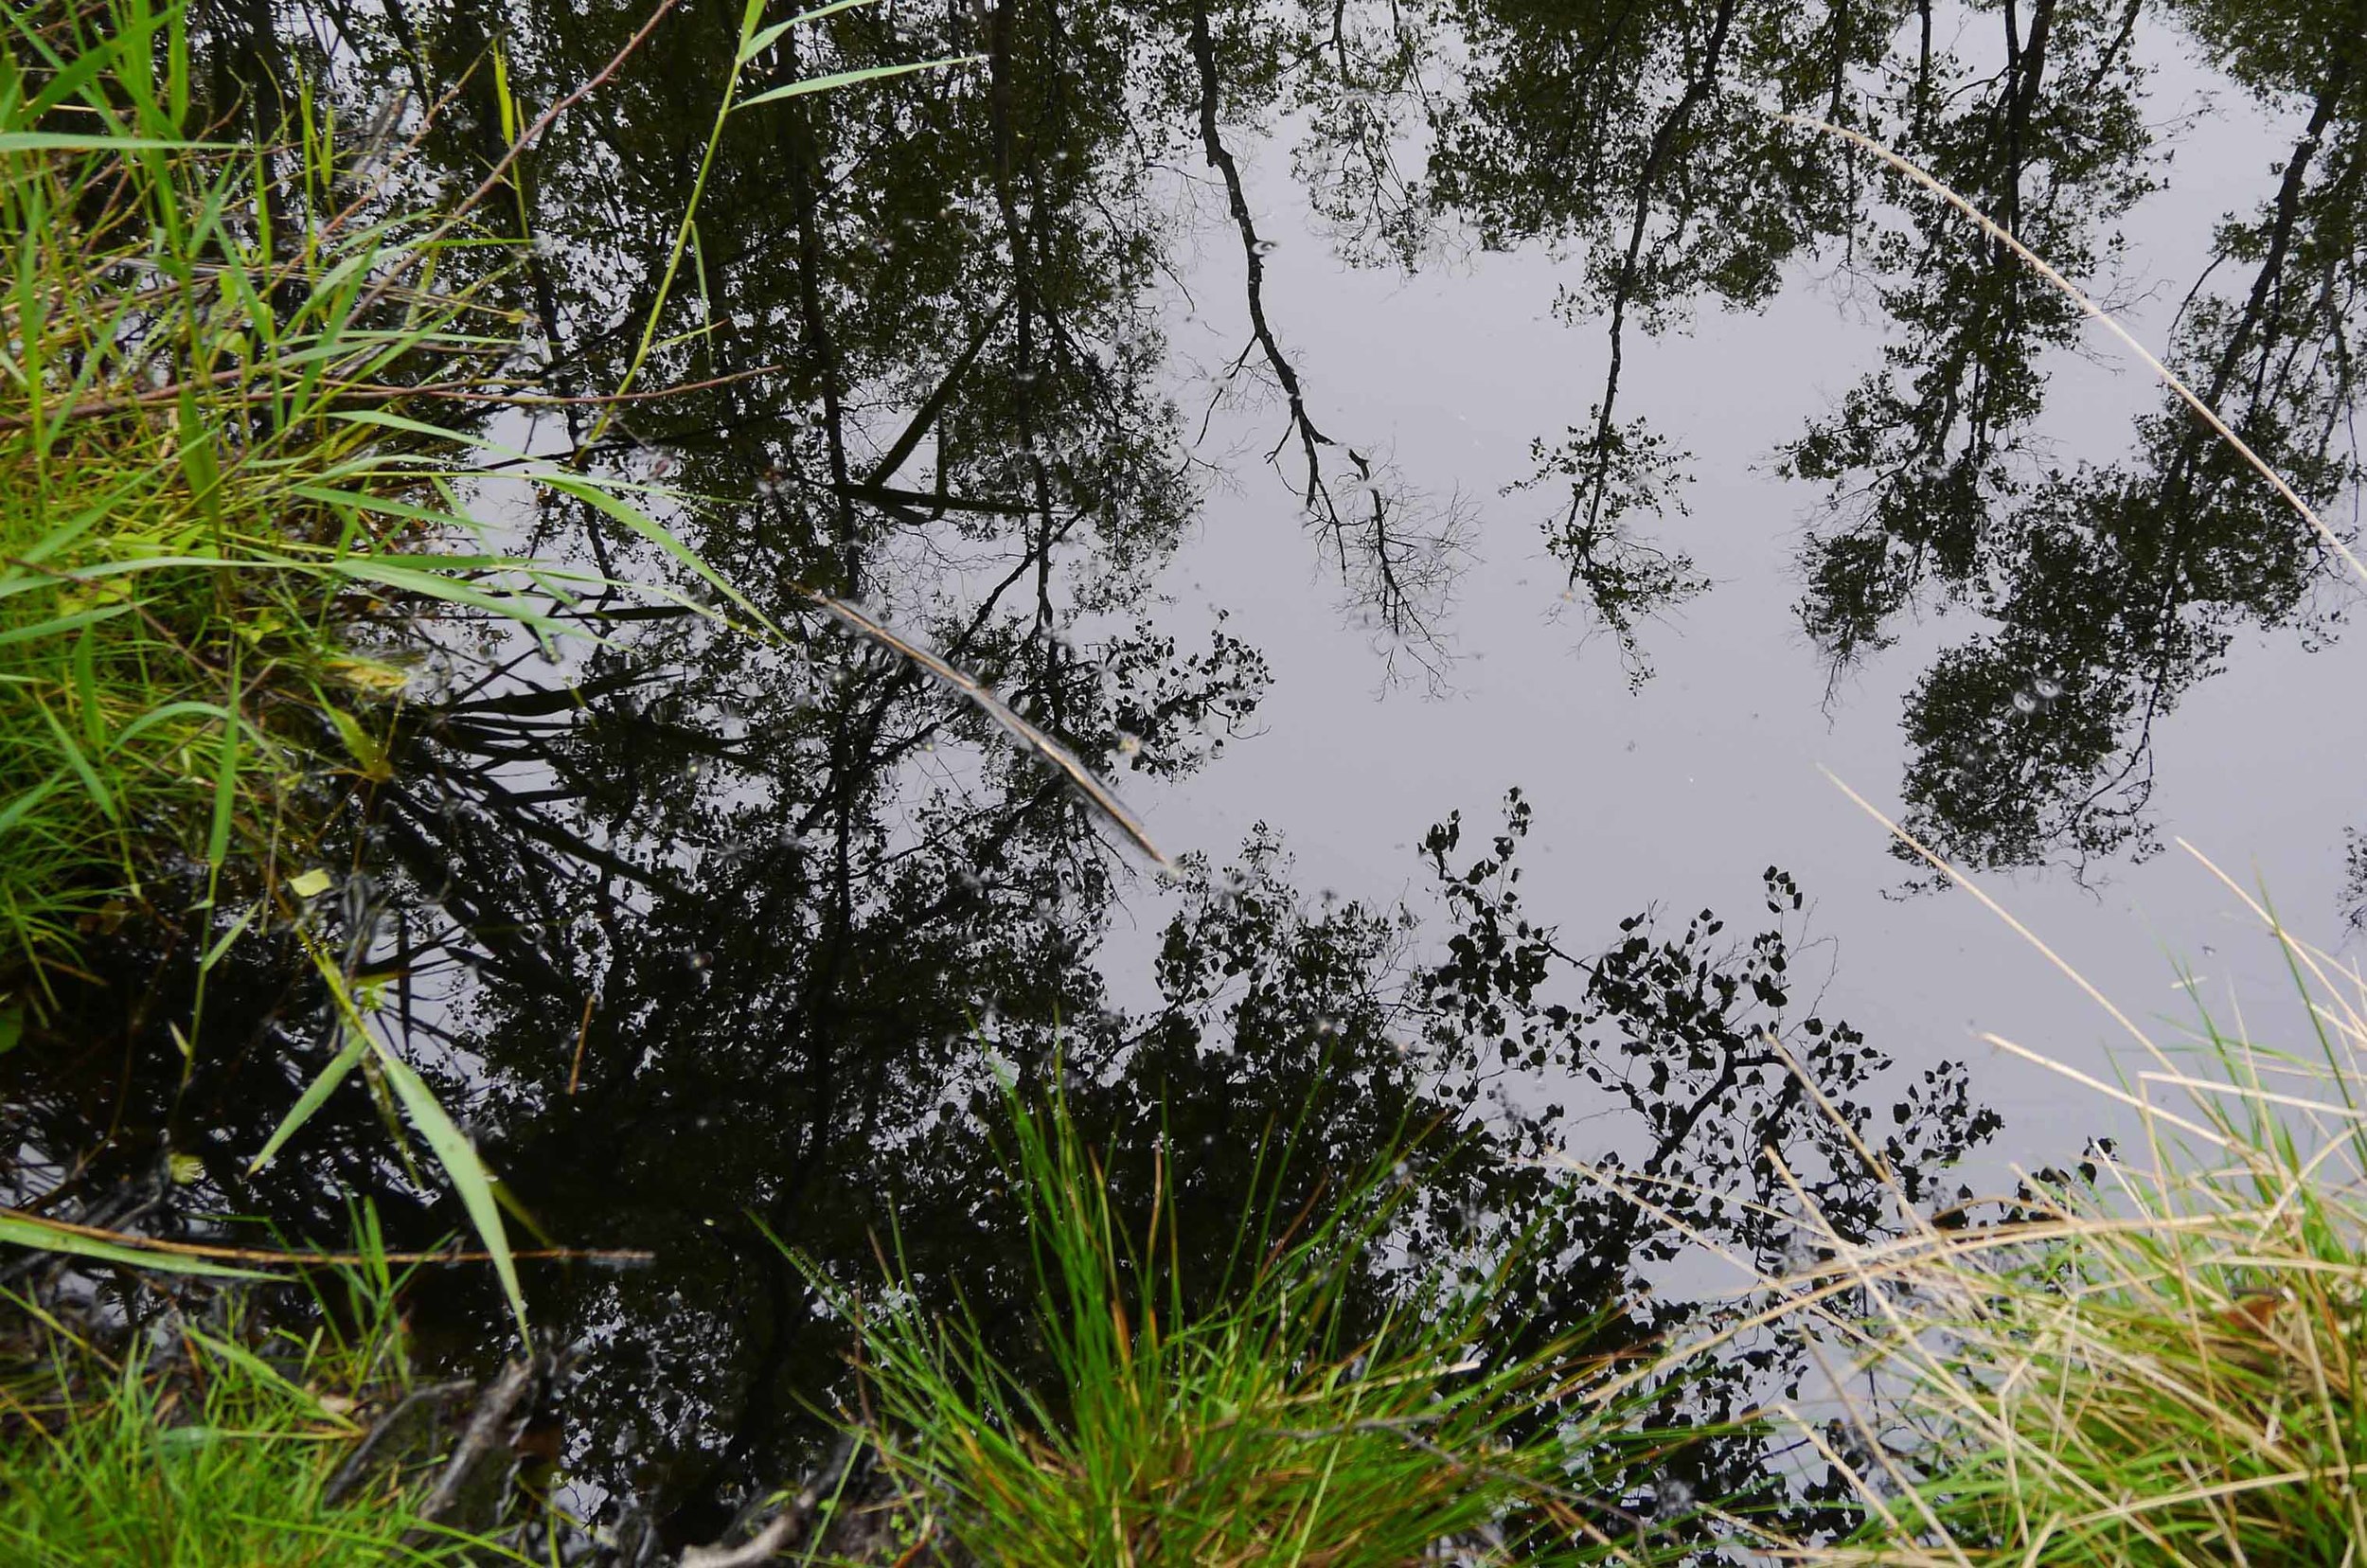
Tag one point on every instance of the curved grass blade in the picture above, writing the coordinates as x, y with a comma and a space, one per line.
315, 1094
844, 78
462, 1166
25, 1230
658, 534
756, 44
61, 141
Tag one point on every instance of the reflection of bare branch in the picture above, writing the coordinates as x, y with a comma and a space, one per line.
1253, 251
1392, 558
1409, 552
1626, 581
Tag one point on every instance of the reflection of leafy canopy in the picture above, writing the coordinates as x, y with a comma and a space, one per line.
2116, 586
743, 916
1632, 135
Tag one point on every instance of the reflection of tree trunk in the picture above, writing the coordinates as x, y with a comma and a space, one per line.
933, 407
2025, 67
1923, 71
1656, 162
2288, 201
2158, 569
2178, 479
2118, 49
1021, 239
805, 163
1221, 159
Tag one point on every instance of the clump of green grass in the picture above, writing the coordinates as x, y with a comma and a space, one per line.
209, 1440
223, 482
1241, 1420
2153, 1359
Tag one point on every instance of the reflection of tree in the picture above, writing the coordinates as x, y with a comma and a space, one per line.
706, 929
2053, 147
1397, 552
1632, 135
951, 272
2116, 586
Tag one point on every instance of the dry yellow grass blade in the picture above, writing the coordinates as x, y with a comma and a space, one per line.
2072, 292
1932, 859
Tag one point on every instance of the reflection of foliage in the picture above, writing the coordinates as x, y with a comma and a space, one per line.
813, 1051
1686, 1034
1614, 470
2355, 879
2116, 586
744, 922
2053, 147
1625, 134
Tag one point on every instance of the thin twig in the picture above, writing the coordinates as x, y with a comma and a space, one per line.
259, 1255
583, 1032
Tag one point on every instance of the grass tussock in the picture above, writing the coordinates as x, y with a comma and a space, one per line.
227, 489
207, 1438
1262, 1425
2157, 1358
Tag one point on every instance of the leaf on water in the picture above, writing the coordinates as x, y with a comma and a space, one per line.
378, 680
365, 747
1087, 783
308, 884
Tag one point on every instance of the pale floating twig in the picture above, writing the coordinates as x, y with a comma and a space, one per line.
1100, 795
2072, 292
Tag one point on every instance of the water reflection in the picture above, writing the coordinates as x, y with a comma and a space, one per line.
706, 932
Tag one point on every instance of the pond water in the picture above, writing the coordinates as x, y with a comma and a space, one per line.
1328, 421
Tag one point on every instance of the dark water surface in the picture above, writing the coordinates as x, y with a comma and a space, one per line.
1461, 469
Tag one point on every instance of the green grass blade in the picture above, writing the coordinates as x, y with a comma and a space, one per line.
15, 811
60, 141
62, 624
462, 1166
429, 583
100, 795
314, 1096
25, 1230
658, 534
225, 779
846, 79
760, 42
